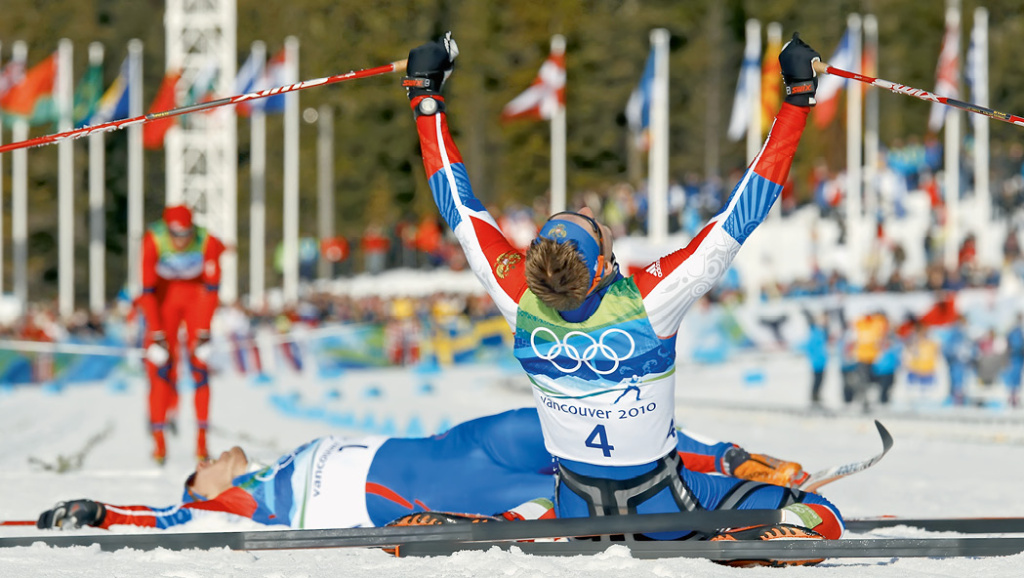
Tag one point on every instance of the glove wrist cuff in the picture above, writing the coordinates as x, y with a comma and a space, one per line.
801, 93
427, 105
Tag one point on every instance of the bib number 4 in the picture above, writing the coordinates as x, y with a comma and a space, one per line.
598, 439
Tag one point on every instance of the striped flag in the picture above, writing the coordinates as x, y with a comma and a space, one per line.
545, 96
113, 105
638, 108
87, 95
275, 74
827, 95
31, 97
739, 120
249, 79
947, 73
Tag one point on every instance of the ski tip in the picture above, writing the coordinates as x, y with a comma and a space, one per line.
886, 436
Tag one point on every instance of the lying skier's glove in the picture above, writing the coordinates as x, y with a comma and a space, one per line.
761, 468
796, 61
72, 514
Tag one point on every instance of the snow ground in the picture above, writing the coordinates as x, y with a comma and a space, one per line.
944, 463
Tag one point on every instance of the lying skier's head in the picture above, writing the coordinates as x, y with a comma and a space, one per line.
569, 259
212, 477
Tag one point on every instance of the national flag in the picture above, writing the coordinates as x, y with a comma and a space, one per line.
976, 66
87, 94
771, 83
204, 84
947, 72
638, 108
739, 120
275, 74
32, 98
11, 75
827, 94
153, 132
248, 79
545, 96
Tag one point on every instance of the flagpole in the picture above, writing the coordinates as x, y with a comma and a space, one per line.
135, 194
19, 198
754, 140
854, 137
97, 265
325, 183
982, 193
558, 137
65, 184
871, 192
290, 262
951, 161
257, 178
657, 171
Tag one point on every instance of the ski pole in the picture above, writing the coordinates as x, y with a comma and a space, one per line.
397, 66
823, 68
17, 522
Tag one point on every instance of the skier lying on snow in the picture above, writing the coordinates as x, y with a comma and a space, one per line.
496, 463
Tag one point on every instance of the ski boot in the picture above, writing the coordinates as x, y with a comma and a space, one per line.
768, 532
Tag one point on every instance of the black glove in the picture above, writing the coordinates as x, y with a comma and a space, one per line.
797, 73
429, 65
72, 514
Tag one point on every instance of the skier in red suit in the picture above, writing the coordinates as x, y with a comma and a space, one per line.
180, 279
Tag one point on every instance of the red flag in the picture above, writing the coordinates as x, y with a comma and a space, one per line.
38, 82
545, 95
153, 132
947, 72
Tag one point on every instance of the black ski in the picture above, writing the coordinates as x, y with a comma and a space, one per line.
708, 521
781, 550
962, 525
829, 475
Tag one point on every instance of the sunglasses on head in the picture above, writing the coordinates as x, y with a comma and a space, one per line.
593, 224
181, 233
601, 264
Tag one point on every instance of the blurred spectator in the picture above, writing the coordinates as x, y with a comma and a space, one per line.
375, 248
883, 369
958, 350
1015, 359
921, 359
816, 349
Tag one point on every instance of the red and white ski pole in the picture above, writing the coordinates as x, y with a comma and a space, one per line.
824, 68
17, 522
396, 66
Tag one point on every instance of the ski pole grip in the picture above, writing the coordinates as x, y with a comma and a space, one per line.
819, 66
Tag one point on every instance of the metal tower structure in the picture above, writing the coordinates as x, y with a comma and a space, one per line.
202, 150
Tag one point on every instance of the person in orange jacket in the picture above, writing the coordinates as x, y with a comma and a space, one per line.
180, 279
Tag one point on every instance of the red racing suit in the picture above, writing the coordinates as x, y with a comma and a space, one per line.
178, 286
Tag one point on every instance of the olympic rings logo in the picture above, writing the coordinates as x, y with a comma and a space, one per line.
588, 354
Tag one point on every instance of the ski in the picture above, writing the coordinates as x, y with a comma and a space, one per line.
390, 536
781, 550
995, 525
829, 475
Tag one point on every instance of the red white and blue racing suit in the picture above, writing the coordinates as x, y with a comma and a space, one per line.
604, 375
484, 466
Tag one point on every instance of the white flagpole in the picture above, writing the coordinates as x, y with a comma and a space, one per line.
325, 182
63, 98
871, 123
558, 137
19, 198
290, 262
97, 176
951, 161
854, 136
753, 50
980, 96
257, 177
136, 218
657, 171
